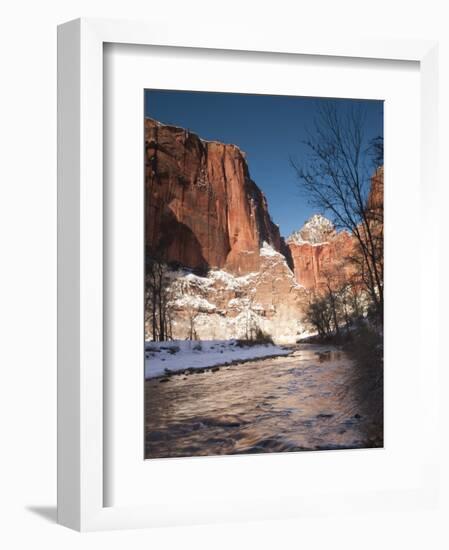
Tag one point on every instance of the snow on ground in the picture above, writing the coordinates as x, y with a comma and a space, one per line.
178, 355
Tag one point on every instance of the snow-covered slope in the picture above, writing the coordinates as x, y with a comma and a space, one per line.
220, 305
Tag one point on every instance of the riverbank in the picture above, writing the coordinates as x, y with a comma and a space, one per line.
165, 358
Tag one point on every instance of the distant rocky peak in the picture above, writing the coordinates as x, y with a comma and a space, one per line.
316, 230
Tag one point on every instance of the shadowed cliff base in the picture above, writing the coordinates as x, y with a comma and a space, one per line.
177, 244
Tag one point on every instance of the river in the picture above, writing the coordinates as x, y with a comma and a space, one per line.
304, 401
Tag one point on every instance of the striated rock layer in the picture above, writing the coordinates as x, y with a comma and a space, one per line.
314, 263
320, 253
202, 208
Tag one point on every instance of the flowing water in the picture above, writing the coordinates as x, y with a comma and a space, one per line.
304, 401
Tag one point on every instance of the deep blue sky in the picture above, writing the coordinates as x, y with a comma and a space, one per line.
270, 129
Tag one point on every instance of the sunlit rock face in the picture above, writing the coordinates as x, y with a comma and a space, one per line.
202, 208
376, 195
221, 305
317, 250
229, 271
316, 230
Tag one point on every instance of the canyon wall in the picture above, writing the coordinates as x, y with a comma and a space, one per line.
221, 305
315, 263
202, 210
204, 213
319, 252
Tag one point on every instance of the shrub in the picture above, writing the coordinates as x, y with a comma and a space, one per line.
259, 338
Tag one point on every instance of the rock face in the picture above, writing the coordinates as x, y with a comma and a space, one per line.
316, 230
376, 195
202, 208
229, 273
221, 305
318, 251
313, 263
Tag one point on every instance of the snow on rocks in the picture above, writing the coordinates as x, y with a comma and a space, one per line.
218, 304
178, 355
230, 282
316, 230
269, 252
194, 302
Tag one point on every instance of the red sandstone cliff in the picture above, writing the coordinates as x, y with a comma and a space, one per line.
202, 208
375, 201
204, 211
319, 252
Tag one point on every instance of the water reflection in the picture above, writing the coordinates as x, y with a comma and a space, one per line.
300, 402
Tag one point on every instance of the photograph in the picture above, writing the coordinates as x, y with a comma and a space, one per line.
263, 285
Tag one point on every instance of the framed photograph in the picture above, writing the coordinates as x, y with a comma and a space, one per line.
262, 337
234, 336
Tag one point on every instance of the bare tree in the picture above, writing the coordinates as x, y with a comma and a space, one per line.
253, 330
376, 149
332, 294
192, 314
157, 300
336, 178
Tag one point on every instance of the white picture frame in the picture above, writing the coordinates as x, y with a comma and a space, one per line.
81, 404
